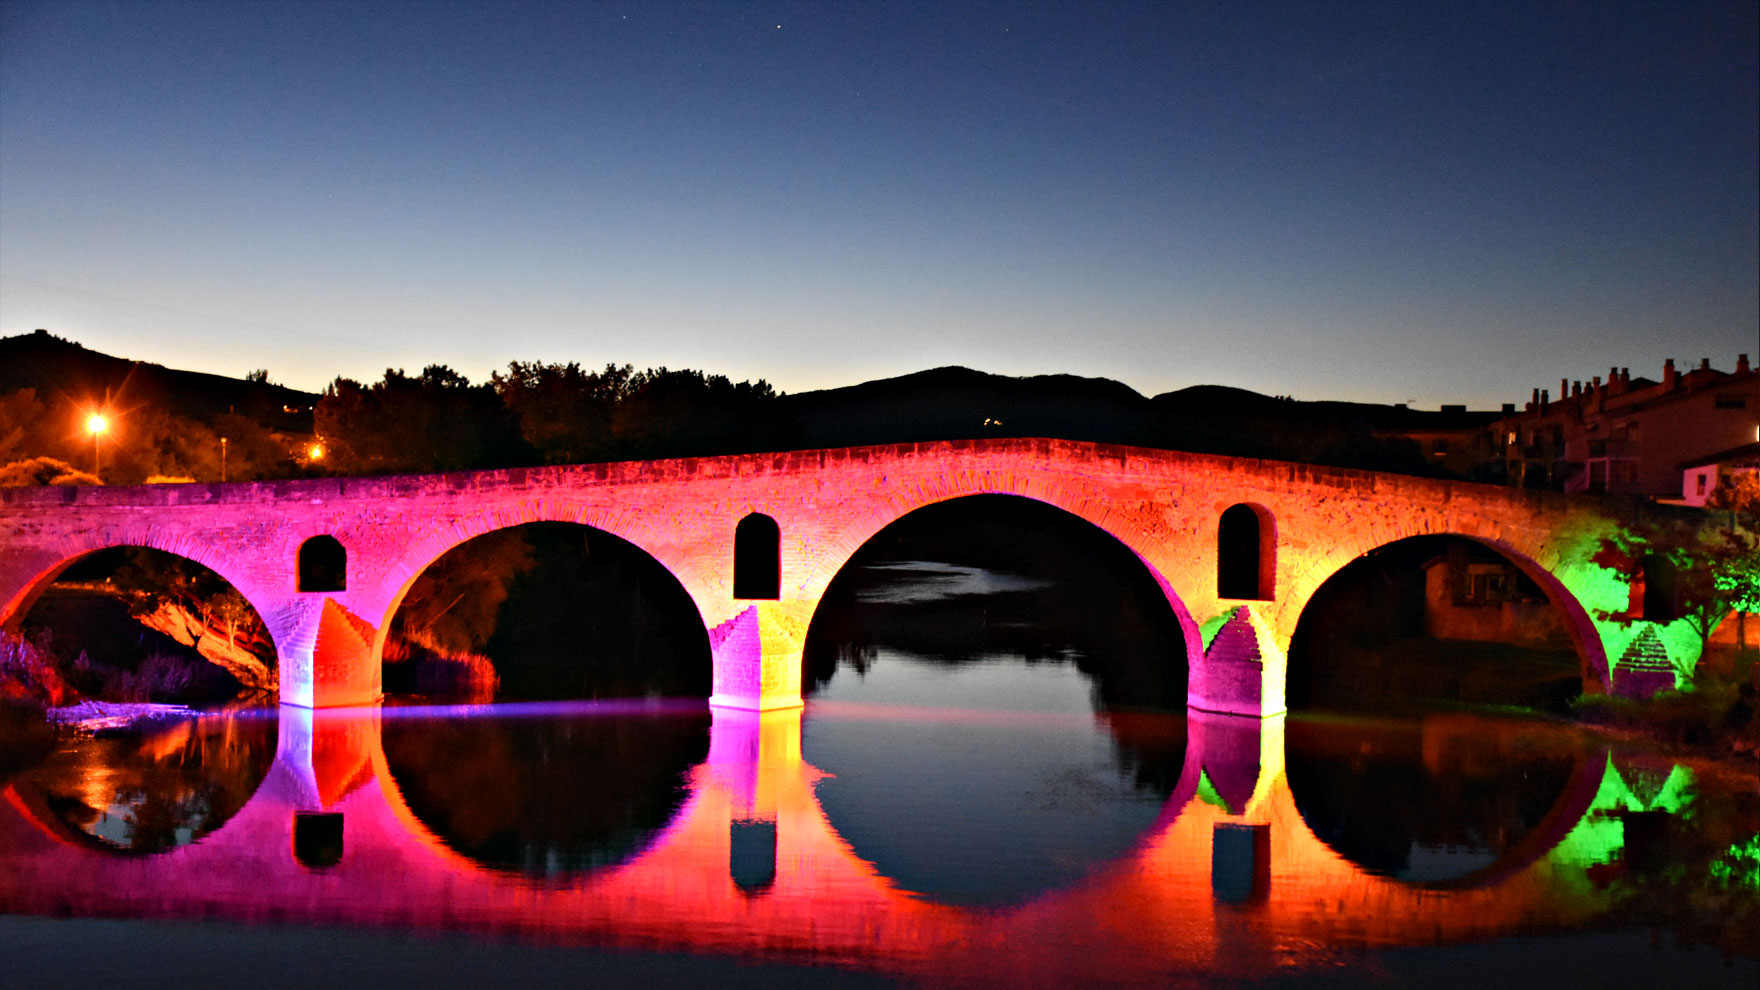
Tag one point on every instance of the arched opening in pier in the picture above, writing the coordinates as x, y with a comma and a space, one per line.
546, 611
998, 687
1434, 620
323, 564
1246, 553
757, 558
139, 624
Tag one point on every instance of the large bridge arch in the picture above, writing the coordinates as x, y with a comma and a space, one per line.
1085, 507
1572, 614
42, 572
635, 529
46, 564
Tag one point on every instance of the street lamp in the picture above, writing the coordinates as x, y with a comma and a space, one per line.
96, 424
223, 442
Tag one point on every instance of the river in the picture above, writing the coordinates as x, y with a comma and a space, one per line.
982, 790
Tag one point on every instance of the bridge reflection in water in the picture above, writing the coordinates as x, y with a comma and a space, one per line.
1228, 879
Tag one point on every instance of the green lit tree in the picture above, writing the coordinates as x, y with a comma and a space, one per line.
1692, 567
1739, 495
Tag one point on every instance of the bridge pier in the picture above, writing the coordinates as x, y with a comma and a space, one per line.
1244, 667
325, 653
756, 663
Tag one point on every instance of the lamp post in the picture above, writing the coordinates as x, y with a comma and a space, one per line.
96, 424
223, 442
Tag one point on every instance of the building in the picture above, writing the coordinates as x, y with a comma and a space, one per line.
1700, 476
1628, 435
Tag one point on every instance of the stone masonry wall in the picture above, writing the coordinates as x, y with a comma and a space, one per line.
1164, 505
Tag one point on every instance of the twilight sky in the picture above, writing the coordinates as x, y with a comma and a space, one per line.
1355, 200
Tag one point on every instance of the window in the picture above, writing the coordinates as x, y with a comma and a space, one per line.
1699, 483
757, 558
323, 564
1245, 553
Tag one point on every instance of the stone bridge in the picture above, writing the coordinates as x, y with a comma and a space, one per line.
1239, 546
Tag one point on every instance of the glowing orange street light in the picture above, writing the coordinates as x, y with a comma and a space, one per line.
315, 452
97, 424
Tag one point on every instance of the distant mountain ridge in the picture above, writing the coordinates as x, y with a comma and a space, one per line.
948, 403
53, 366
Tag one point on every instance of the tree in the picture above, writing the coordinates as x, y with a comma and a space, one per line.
564, 411
21, 414
454, 604
1690, 566
1739, 494
43, 471
437, 421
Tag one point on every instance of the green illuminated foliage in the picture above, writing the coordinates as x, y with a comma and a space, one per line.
1691, 567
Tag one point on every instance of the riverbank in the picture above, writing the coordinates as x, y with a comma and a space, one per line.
1717, 715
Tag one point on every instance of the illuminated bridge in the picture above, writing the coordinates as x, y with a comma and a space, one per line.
1238, 546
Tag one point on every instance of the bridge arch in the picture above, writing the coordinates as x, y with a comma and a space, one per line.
1573, 617
407, 569
1084, 507
48, 566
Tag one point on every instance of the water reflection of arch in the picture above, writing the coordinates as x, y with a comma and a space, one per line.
636, 529
1585, 640
1222, 764
1574, 800
1087, 514
1152, 918
46, 808
618, 773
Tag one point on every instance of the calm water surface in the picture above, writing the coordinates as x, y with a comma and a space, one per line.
964, 801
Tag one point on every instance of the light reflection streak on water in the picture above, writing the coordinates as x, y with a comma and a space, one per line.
922, 581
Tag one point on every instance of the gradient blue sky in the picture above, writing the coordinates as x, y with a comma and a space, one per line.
1424, 201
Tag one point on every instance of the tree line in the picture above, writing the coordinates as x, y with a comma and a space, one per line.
531, 414
540, 414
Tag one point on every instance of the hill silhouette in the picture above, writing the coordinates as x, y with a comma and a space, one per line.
54, 367
949, 403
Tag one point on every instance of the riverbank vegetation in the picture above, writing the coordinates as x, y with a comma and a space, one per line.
1716, 712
